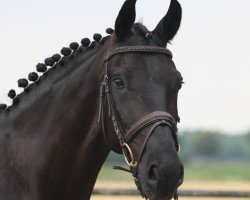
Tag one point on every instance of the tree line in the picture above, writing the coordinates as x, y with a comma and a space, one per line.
213, 146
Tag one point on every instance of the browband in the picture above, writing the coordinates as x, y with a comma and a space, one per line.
139, 49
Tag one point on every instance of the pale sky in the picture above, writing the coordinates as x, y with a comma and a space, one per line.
211, 49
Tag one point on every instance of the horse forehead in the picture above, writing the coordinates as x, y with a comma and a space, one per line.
143, 64
156, 64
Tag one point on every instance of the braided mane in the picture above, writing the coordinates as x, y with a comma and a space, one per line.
54, 63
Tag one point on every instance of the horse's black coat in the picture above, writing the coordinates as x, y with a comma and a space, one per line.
51, 146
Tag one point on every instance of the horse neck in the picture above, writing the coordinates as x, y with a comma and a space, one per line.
59, 137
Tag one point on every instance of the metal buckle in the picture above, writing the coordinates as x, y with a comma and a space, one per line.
128, 156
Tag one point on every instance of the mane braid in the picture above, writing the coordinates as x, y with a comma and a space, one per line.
56, 62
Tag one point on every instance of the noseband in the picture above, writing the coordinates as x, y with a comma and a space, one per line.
151, 121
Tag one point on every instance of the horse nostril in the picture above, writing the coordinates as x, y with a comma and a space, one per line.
151, 172
152, 175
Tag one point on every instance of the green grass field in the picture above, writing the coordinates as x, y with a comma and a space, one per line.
195, 172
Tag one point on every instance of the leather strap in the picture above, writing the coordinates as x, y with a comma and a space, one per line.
148, 120
138, 49
147, 138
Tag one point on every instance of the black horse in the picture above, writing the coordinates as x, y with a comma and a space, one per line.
117, 93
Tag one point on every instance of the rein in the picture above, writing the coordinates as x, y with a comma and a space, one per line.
152, 120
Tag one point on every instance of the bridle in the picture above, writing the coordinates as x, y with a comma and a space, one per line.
151, 121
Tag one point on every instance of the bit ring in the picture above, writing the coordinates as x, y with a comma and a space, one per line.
128, 155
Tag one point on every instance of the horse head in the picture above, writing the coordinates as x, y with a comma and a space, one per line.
139, 100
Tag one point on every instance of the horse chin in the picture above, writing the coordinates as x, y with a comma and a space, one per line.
156, 195
164, 198
152, 195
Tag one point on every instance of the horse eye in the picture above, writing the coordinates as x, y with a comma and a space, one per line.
118, 83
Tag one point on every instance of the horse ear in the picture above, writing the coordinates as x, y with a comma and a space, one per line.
170, 23
125, 19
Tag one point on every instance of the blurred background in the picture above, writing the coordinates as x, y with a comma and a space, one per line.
211, 51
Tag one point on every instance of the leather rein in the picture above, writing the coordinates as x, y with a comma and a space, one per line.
152, 120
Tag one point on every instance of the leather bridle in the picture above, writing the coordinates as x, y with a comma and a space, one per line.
151, 121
